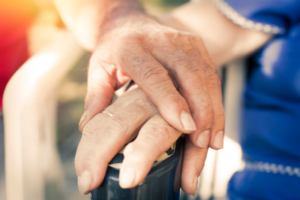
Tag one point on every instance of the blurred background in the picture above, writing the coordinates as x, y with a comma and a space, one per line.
69, 106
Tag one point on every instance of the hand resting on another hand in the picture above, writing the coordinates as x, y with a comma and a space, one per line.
134, 116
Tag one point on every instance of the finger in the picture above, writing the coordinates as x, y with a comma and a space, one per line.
214, 85
191, 79
108, 137
84, 146
136, 97
155, 81
120, 103
193, 163
103, 79
154, 138
217, 131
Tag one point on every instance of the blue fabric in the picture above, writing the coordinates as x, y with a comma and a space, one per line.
263, 186
281, 13
271, 114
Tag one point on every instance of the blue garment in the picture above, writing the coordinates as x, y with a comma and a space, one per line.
270, 135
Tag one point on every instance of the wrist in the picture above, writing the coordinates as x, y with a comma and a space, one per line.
124, 17
118, 11
87, 19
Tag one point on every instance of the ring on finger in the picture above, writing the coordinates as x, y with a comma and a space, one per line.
108, 113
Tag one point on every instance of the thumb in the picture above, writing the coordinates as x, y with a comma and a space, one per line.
100, 91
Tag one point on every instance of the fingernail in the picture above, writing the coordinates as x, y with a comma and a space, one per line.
203, 139
84, 182
218, 142
187, 121
82, 119
127, 177
195, 184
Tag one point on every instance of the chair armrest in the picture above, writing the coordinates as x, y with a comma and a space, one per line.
25, 102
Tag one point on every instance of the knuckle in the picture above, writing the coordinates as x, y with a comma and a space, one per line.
133, 150
166, 35
155, 75
174, 100
200, 158
139, 61
197, 158
196, 38
129, 148
144, 104
208, 111
185, 37
179, 35
117, 125
126, 44
210, 77
155, 71
193, 73
92, 158
194, 79
129, 36
185, 42
194, 54
207, 115
220, 117
214, 82
204, 64
160, 131
183, 62
173, 37
90, 128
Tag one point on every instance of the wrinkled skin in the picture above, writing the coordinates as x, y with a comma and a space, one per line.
174, 71
134, 116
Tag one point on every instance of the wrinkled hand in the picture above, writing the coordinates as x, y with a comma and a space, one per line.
133, 115
173, 68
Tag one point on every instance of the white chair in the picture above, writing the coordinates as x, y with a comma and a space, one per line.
29, 119
29, 116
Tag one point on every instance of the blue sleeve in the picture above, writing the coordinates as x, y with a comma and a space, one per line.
270, 16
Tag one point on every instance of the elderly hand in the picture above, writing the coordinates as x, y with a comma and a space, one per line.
173, 68
104, 135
